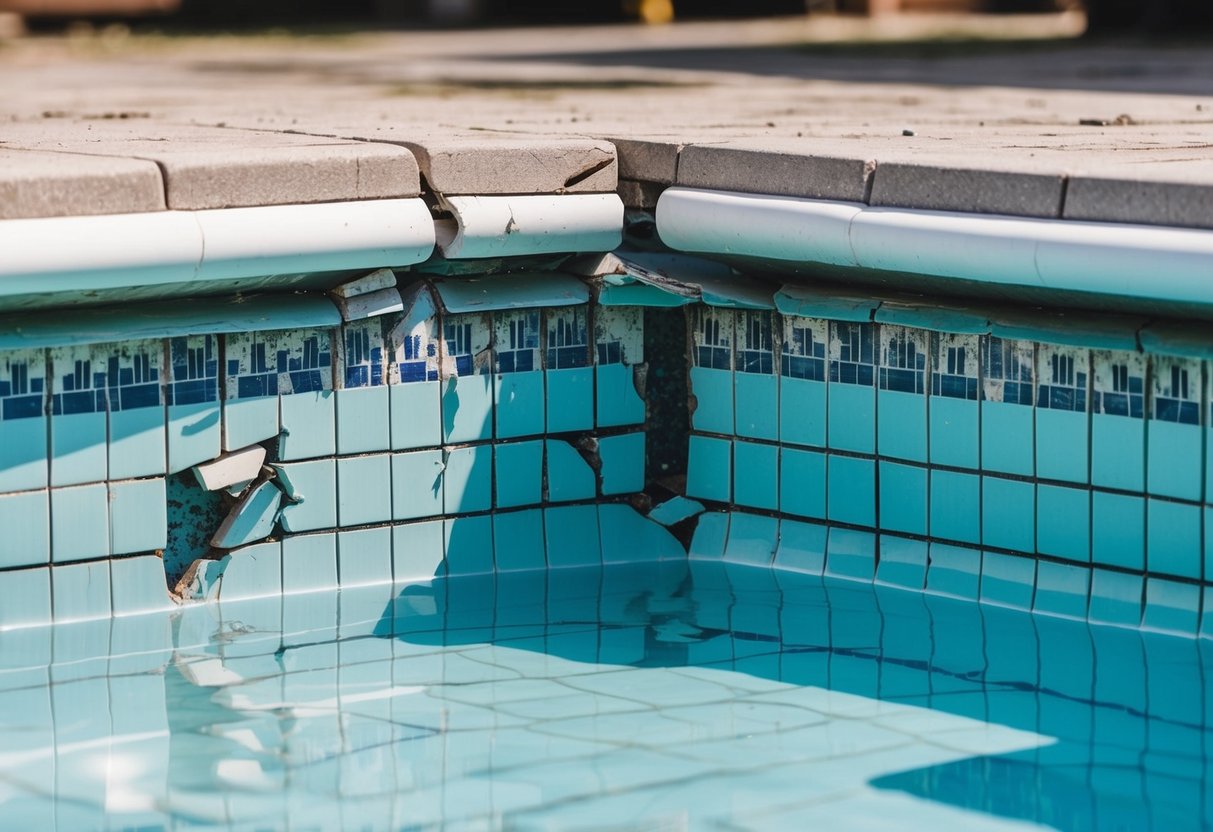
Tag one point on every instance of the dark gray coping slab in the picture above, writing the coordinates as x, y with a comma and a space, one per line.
942, 187
206, 167
34, 184
639, 194
780, 167
1159, 194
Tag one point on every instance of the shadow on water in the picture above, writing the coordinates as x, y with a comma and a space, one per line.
1128, 709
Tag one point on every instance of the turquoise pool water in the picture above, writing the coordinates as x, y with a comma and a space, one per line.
666, 696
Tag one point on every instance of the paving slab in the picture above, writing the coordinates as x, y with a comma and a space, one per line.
515, 165
792, 106
34, 184
216, 168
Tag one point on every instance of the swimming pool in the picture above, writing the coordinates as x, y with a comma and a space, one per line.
677, 695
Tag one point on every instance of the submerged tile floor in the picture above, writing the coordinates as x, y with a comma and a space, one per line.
680, 695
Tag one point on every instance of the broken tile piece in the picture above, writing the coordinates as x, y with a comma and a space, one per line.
373, 282
370, 305
675, 510
251, 519
231, 469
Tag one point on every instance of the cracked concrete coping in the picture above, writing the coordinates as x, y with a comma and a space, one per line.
462, 166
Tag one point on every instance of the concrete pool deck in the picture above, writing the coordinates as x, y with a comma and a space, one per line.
991, 115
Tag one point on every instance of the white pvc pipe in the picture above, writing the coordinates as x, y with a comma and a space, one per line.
287, 239
507, 226
721, 222
88, 254
1157, 263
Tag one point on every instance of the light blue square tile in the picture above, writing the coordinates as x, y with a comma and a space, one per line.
757, 405
903, 498
364, 490
364, 557
23, 457
25, 518
752, 539
1206, 615
363, 420
468, 479
628, 537
1171, 607
801, 547
138, 585
251, 519
25, 597
418, 551
955, 506
519, 473
252, 572
1063, 522
1007, 440
249, 421
309, 425
78, 448
518, 540
901, 425
954, 571
713, 392
903, 562
711, 534
1007, 580
1118, 452
138, 516
851, 490
1008, 514
137, 443
802, 482
80, 591
193, 434
623, 463
756, 477
415, 409
1062, 589
80, 522
469, 545
954, 432
309, 563
1173, 544
1173, 464
852, 419
1062, 439
1208, 538
467, 408
520, 404
709, 468
572, 536
312, 485
851, 554
618, 402
569, 476
802, 411
570, 399
417, 480
1116, 598
1118, 530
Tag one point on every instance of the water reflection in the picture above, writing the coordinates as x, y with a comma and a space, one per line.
689, 694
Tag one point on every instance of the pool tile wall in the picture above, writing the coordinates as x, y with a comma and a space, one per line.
973, 464
391, 440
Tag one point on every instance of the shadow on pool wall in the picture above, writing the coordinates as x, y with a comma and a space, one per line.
1126, 744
